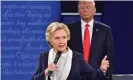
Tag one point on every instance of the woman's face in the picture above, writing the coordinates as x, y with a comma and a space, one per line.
59, 40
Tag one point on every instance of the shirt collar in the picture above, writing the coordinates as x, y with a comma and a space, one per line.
90, 23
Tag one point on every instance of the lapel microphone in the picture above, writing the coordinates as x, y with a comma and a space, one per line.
58, 54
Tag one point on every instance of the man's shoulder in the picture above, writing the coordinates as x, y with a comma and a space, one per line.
74, 23
102, 25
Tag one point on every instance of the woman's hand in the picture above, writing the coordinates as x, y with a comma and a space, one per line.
51, 67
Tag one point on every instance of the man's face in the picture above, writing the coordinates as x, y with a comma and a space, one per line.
86, 9
59, 40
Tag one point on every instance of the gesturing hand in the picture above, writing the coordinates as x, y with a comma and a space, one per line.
104, 64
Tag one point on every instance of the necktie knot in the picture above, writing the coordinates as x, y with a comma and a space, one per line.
87, 25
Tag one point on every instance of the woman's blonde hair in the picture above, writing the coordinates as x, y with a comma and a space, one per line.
54, 26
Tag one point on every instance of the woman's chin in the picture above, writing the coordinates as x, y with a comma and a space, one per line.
63, 50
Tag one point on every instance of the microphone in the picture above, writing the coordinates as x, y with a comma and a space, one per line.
58, 54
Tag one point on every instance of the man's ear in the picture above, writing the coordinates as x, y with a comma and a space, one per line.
95, 10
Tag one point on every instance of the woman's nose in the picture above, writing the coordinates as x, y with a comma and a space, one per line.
61, 40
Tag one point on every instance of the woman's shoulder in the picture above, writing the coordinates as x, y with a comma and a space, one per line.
44, 53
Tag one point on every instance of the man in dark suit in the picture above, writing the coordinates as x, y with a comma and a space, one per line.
71, 65
100, 42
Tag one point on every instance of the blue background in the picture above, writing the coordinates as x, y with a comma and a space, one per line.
23, 35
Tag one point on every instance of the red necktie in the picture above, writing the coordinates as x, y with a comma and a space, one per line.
86, 44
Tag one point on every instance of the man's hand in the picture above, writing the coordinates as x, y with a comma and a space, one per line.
105, 64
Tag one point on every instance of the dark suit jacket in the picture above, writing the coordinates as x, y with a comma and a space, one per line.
101, 44
80, 70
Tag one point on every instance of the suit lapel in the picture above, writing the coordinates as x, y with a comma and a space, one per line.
45, 61
94, 38
72, 66
95, 30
